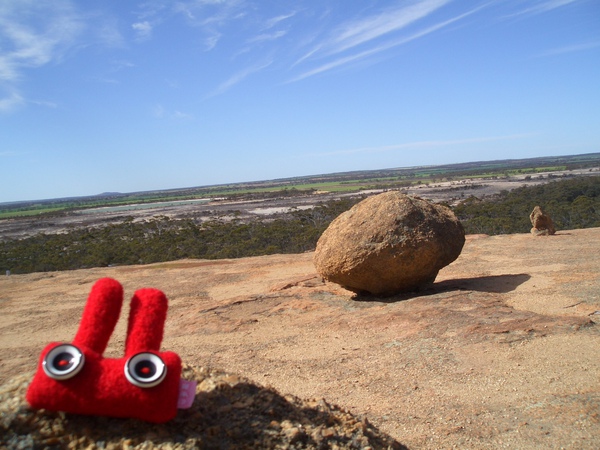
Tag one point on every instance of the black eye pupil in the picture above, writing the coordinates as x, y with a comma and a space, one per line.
63, 361
145, 369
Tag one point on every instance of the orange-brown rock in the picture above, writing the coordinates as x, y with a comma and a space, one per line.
500, 352
541, 222
389, 243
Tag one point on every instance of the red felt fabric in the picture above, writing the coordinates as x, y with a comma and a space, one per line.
100, 315
147, 315
101, 387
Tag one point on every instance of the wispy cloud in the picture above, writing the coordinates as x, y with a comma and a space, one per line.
209, 16
270, 23
182, 115
239, 77
383, 47
359, 32
37, 42
106, 31
34, 34
143, 30
158, 111
570, 49
116, 66
11, 102
266, 37
44, 103
8, 153
541, 7
211, 41
210, 12
50, 30
419, 145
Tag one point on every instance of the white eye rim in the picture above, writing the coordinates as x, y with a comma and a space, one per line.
154, 380
56, 374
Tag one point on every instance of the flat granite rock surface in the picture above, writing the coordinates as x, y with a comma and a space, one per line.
501, 351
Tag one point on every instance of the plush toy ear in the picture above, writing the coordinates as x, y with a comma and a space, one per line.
155, 374
147, 315
143, 384
100, 315
68, 374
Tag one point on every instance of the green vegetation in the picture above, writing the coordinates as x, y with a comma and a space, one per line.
164, 239
337, 182
571, 204
33, 211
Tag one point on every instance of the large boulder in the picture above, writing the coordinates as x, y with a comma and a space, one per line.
541, 222
388, 244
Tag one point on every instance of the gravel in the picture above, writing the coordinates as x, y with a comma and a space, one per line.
229, 412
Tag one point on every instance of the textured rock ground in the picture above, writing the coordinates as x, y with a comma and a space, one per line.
501, 351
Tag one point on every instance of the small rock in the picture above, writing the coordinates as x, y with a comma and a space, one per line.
541, 222
328, 432
294, 434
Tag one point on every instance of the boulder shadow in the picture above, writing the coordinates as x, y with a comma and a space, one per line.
494, 284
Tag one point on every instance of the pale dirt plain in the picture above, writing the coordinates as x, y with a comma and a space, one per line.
502, 351
225, 209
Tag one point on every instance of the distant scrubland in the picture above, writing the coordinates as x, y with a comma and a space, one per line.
572, 203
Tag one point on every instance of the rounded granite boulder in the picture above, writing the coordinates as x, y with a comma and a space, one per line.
388, 244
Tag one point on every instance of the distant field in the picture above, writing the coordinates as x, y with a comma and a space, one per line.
136, 206
234, 229
337, 182
35, 211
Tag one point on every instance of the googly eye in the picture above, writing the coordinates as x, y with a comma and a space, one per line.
145, 370
63, 362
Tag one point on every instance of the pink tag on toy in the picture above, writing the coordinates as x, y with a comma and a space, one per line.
187, 392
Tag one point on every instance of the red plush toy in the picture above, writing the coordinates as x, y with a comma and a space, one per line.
76, 378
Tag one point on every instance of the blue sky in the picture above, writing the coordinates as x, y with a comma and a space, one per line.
129, 96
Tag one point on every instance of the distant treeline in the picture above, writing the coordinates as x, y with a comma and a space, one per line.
346, 181
573, 203
165, 239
